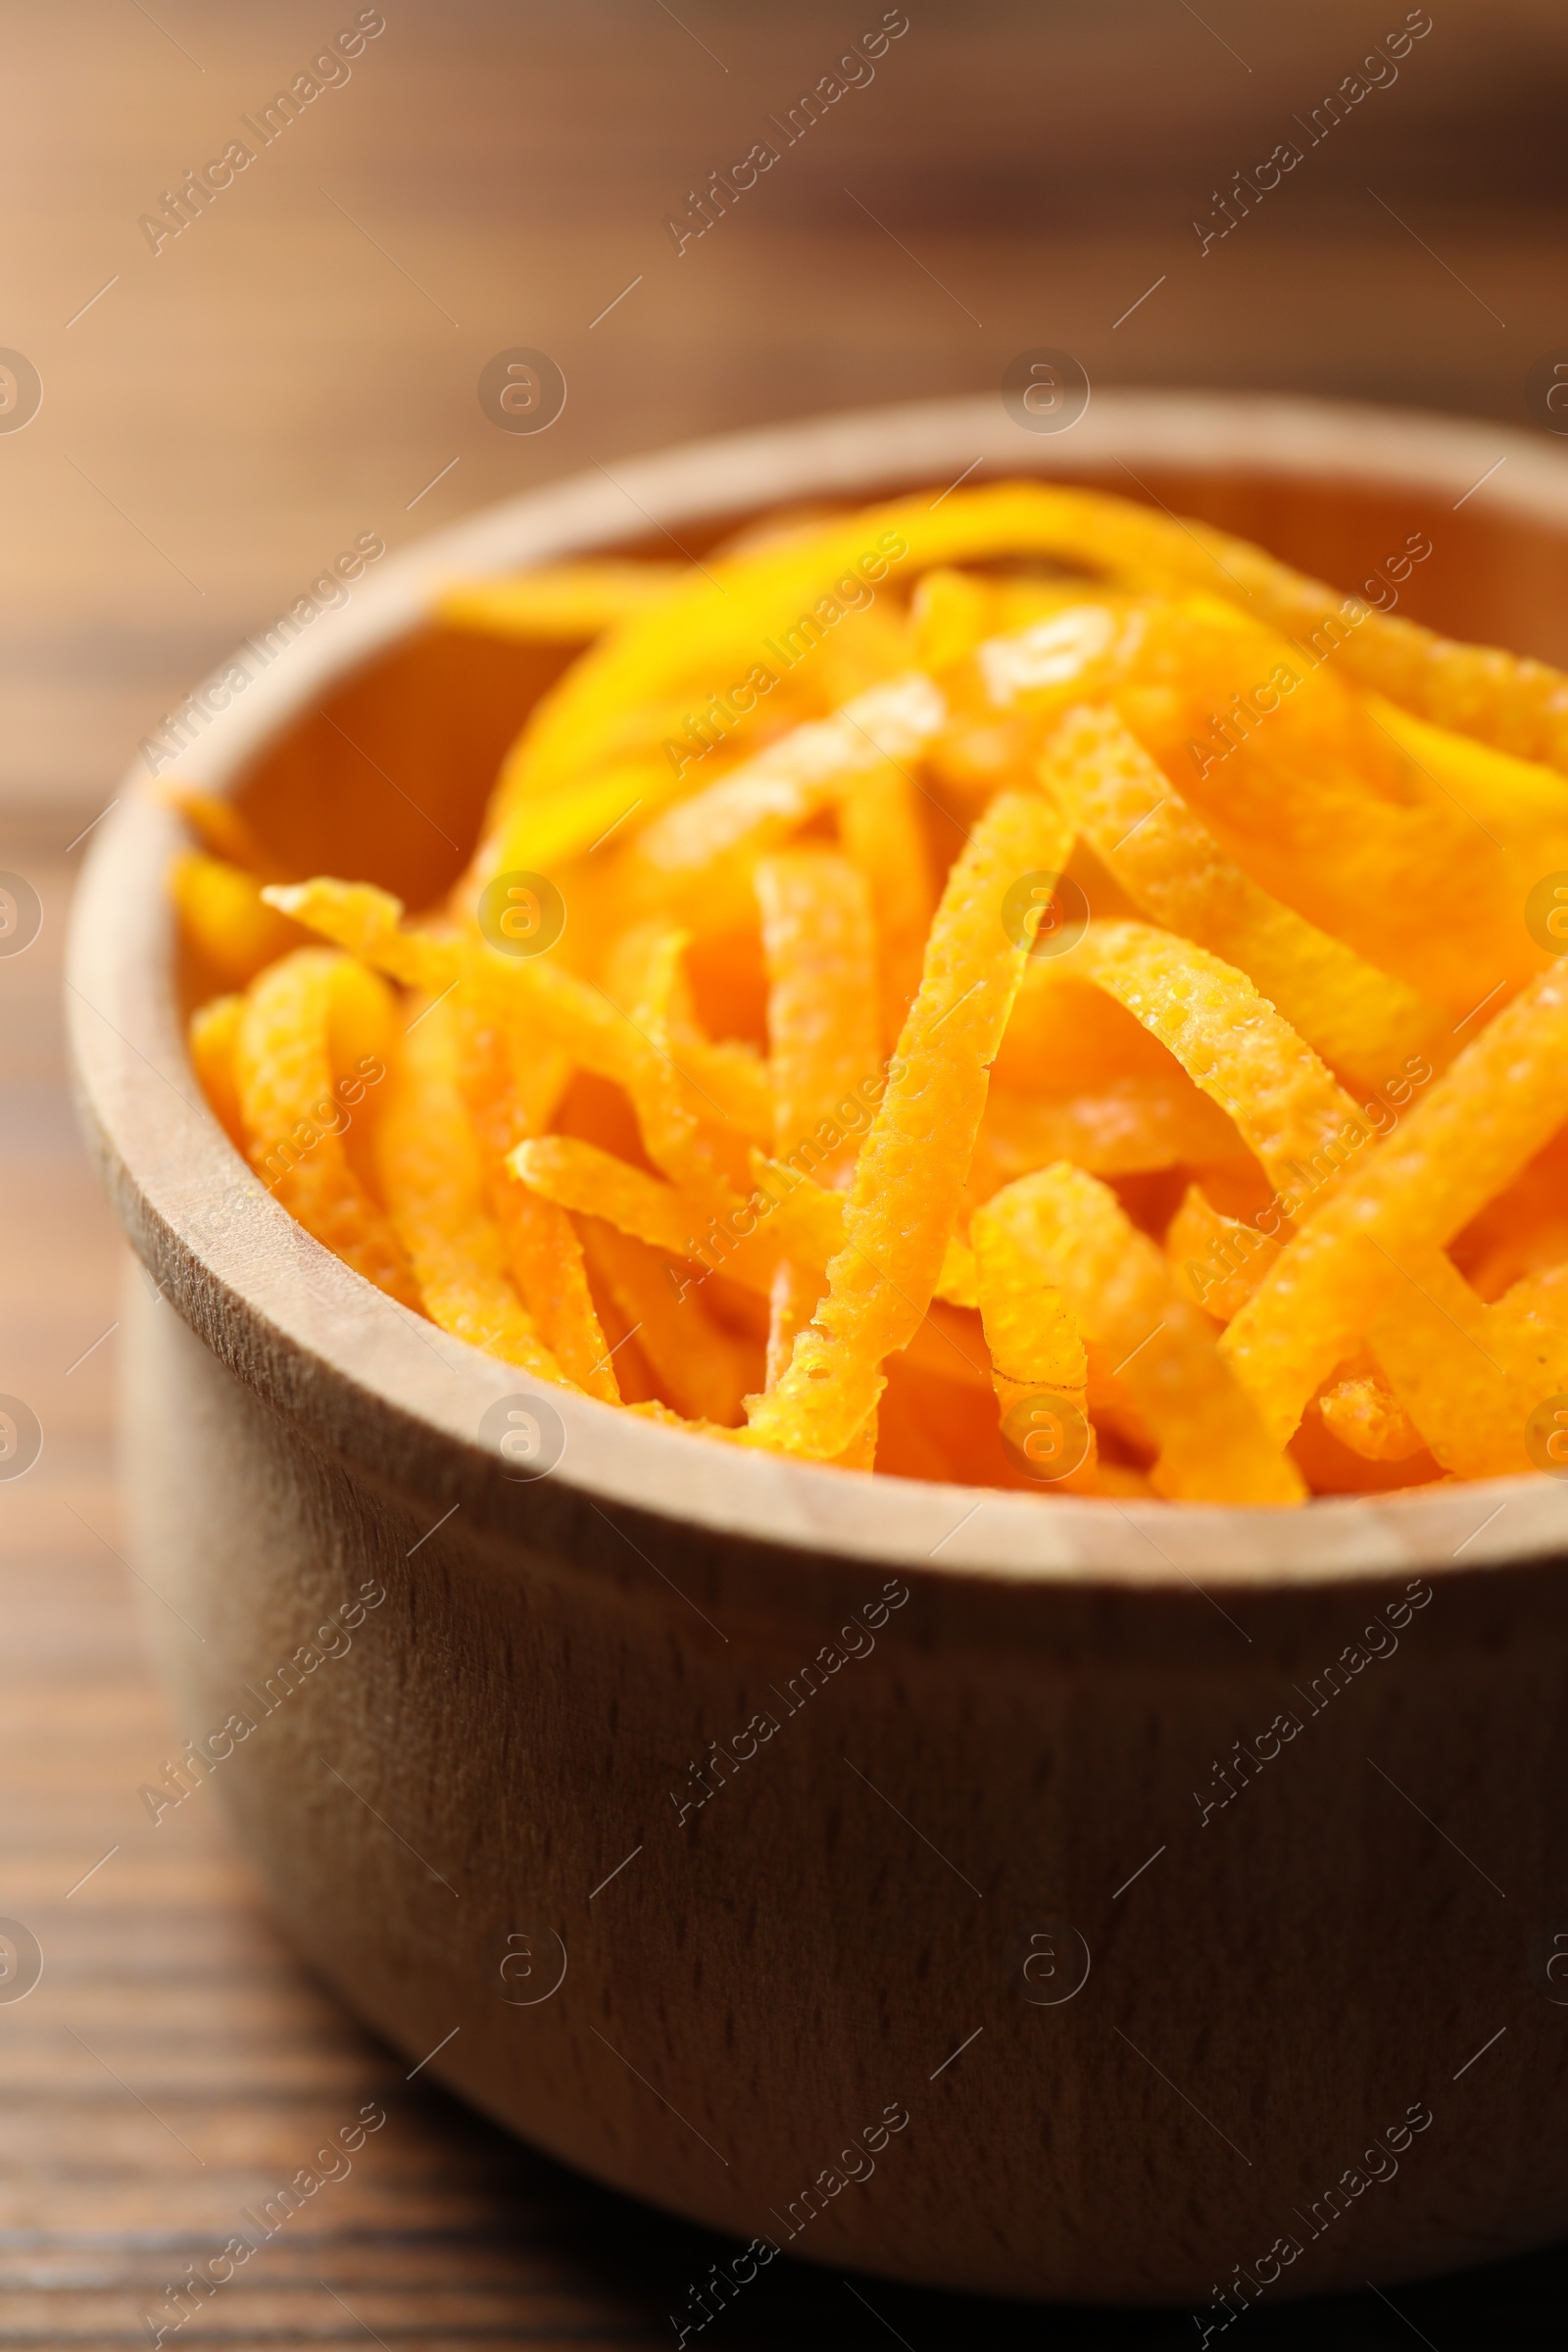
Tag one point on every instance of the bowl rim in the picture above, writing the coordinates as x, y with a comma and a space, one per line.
406, 1400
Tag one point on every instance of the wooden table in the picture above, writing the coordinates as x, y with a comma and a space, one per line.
299, 364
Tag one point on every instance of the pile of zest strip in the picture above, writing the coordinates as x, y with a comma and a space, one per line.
1018, 990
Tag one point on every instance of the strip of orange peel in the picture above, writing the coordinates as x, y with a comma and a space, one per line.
1037, 1350
1289, 1110
1457, 1148
570, 1012
295, 1120
1161, 1350
1361, 1019
910, 1174
428, 1162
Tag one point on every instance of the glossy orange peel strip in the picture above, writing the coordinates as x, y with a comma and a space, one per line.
910, 1177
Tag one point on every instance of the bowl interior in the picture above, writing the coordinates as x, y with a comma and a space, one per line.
386, 778
372, 753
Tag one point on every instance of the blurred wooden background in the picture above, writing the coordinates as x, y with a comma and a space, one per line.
301, 361
300, 365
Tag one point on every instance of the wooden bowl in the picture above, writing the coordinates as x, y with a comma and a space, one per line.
913, 1877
